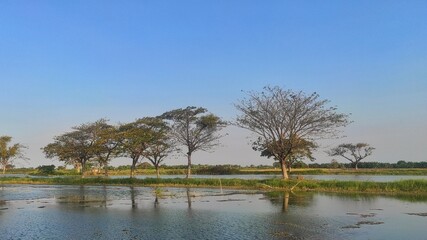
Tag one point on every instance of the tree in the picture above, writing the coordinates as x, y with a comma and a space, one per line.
137, 137
77, 147
283, 120
106, 143
352, 152
195, 129
160, 146
9, 153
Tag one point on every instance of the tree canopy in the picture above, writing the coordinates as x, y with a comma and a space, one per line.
285, 121
85, 143
195, 129
139, 137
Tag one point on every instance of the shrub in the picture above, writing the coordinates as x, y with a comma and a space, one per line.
46, 169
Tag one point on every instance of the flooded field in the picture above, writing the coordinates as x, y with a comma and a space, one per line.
100, 212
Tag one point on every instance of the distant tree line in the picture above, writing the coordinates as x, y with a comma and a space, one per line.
399, 164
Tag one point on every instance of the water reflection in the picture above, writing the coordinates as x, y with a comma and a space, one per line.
112, 212
188, 198
133, 193
286, 198
84, 197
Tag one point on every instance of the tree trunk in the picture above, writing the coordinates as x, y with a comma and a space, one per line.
132, 171
158, 171
284, 170
82, 170
355, 165
4, 169
133, 167
106, 169
78, 167
189, 165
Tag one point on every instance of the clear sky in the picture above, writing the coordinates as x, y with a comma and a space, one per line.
63, 63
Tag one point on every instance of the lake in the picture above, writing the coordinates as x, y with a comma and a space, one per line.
119, 212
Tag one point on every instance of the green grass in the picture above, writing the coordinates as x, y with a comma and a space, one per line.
403, 186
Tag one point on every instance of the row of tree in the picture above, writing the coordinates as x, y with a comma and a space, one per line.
286, 125
153, 138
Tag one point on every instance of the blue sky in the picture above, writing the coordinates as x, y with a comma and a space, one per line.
63, 63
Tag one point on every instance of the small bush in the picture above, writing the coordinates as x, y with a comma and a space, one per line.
46, 169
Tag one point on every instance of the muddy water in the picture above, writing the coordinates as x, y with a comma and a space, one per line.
99, 212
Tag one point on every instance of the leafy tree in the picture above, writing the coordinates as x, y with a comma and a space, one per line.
106, 143
283, 119
9, 153
137, 137
352, 152
160, 146
77, 147
195, 129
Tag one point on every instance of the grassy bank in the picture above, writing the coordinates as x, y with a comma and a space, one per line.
404, 186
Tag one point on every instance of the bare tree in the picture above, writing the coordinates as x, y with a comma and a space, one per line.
9, 153
352, 152
283, 118
195, 129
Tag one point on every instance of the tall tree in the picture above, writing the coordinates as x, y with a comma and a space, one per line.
195, 129
9, 153
352, 152
137, 138
283, 118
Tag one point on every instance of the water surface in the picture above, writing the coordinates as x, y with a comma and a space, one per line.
109, 212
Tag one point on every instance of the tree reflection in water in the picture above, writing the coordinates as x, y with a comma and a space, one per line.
285, 199
189, 198
132, 197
